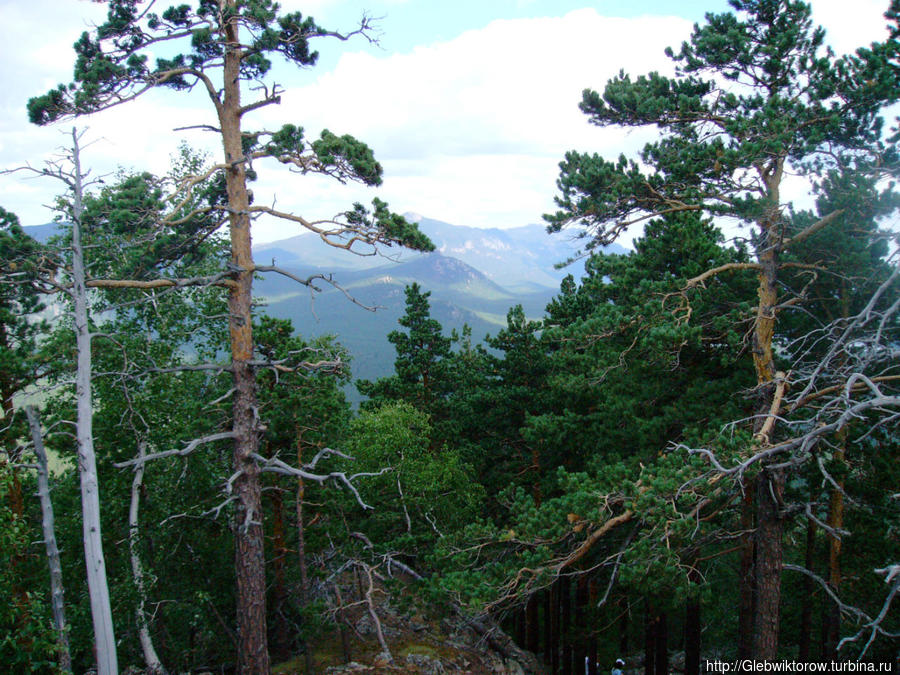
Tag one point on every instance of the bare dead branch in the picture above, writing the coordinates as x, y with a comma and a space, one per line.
183, 452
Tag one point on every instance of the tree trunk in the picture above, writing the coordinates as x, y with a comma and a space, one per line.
57, 602
342, 624
98, 590
769, 532
805, 638
623, 627
770, 483
832, 615
548, 624
154, 665
581, 623
649, 639
281, 631
692, 636
747, 579
531, 624
309, 656
253, 656
565, 630
662, 644
592, 634
553, 643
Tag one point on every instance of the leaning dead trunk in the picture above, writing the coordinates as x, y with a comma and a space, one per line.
57, 603
154, 665
98, 590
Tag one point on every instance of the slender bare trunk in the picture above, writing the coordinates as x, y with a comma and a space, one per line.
154, 665
98, 589
57, 602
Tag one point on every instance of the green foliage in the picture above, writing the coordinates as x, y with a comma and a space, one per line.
27, 638
432, 488
783, 98
421, 353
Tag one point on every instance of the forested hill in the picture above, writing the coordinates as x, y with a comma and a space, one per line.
475, 276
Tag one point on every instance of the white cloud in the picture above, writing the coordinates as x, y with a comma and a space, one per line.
472, 130
469, 130
850, 25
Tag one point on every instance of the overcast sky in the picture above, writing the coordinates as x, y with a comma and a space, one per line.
469, 105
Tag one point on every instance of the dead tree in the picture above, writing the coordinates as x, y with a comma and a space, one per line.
57, 590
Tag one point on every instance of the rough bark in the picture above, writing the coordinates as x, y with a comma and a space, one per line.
770, 483
768, 565
151, 659
98, 589
253, 656
57, 593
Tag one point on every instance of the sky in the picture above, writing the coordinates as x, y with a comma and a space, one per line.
469, 105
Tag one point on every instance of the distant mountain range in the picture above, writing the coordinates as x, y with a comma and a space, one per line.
475, 276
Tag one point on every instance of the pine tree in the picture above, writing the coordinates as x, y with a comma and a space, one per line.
227, 43
421, 352
755, 96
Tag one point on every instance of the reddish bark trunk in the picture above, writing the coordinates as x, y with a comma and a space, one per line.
769, 532
253, 655
281, 632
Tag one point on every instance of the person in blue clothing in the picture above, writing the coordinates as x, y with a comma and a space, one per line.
617, 669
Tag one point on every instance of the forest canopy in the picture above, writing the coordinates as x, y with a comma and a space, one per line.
690, 455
